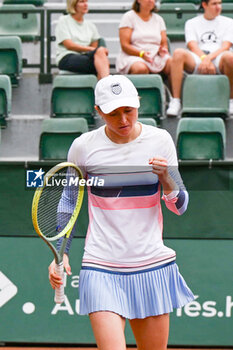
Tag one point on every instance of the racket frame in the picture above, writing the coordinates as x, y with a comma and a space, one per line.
58, 255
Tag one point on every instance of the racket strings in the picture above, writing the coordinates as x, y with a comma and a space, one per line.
57, 202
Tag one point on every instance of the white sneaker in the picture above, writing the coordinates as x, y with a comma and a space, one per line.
231, 107
174, 107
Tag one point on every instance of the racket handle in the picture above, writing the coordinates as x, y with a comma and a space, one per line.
59, 292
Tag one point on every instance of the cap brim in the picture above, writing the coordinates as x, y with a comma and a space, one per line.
123, 102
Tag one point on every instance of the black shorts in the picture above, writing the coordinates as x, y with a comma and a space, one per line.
83, 63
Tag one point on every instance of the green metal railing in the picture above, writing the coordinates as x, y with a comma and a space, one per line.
40, 38
45, 66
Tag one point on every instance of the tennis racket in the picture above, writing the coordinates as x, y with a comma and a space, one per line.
55, 208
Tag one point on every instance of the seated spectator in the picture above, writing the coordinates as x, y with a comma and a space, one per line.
209, 38
143, 41
77, 42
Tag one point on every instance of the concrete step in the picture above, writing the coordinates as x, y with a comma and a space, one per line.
20, 139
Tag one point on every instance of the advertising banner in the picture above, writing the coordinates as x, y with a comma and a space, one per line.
28, 312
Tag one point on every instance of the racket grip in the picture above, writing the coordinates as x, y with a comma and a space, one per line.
59, 292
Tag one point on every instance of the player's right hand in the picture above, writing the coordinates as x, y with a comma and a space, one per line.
54, 279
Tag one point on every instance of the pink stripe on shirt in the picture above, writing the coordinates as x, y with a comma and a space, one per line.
118, 203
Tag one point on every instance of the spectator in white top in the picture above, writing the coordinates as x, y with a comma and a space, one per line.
209, 38
143, 41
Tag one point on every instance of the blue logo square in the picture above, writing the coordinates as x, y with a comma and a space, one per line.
35, 178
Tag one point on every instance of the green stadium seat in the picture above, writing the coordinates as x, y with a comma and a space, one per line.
227, 9
201, 138
22, 2
57, 136
148, 121
152, 95
5, 99
24, 25
11, 58
175, 18
205, 96
73, 96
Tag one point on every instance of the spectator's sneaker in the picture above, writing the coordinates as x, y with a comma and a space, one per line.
231, 107
174, 107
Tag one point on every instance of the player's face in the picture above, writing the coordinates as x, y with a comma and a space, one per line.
82, 6
121, 126
212, 9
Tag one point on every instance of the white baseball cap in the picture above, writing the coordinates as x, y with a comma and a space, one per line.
115, 91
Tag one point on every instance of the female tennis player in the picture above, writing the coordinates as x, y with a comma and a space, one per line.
127, 271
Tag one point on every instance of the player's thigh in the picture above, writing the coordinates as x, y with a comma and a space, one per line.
151, 333
108, 329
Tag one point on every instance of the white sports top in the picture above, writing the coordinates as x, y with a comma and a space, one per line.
125, 217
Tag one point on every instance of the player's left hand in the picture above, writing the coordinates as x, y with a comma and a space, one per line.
159, 167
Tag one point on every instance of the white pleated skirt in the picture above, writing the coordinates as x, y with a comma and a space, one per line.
133, 294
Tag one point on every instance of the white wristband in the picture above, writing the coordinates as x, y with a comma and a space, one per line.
171, 195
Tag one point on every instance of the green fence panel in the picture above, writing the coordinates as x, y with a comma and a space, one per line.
28, 313
16, 200
209, 213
